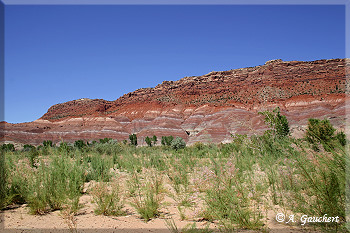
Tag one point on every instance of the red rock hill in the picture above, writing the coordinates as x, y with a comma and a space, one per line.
202, 108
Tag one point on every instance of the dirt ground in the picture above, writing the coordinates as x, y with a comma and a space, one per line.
17, 219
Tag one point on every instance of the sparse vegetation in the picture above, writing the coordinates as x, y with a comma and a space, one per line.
236, 183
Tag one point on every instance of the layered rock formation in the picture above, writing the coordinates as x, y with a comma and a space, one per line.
205, 108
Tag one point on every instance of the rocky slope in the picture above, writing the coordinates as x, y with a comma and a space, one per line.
202, 108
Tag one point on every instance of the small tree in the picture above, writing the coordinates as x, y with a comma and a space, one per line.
79, 144
322, 132
148, 141
105, 140
154, 139
133, 139
8, 147
167, 140
28, 147
178, 143
47, 143
277, 122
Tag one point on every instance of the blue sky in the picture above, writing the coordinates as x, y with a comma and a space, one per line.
55, 54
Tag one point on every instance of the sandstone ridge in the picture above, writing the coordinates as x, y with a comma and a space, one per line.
205, 108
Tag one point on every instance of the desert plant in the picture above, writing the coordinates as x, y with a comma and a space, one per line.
8, 147
28, 147
322, 132
3, 181
47, 143
277, 122
154, 139
133, 139
105, 140
51, 185
99, 168
148, 140
178, 143
230, 199
108, 202
167, 140
316, 184
147, 195
32, 155
79, 144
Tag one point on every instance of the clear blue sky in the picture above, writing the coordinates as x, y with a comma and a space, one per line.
55, 54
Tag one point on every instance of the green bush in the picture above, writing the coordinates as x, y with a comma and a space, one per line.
322, 132
108, 202
178, 143
47, 143
147, 196
79, 144
8, 147
148, 140
99, 168
277, 122
316, 184
105, 140
167, 140
3, 181
52, 185
133, 139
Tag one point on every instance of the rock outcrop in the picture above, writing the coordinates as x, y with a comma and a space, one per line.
206, 108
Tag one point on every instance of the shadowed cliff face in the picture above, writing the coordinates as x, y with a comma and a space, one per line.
205, 108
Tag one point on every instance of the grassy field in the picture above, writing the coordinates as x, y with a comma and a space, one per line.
232, 186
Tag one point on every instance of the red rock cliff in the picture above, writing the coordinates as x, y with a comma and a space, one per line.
202, 108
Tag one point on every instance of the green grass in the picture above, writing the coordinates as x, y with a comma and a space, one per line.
237, 182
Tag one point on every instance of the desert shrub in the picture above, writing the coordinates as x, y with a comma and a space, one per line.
178, 143
79, 144
108, 201
108, 148
8, 147
148, 140
277, 122
147, 195
99, 168
167, 140
322, 132
154, 139
3, 181
316, 183
53, 184
32, 155
28, 147
105, 140
133, 139
65, 148
198, 146
234, 197
341, 138
47, 143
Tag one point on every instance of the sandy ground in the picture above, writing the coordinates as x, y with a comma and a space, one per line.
17, 219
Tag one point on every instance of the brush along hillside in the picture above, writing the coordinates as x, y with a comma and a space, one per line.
167, 185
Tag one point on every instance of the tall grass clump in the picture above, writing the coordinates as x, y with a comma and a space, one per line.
3, 180
53, 183
147, 194
99, 168
232, 197
109, 201
316, 183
